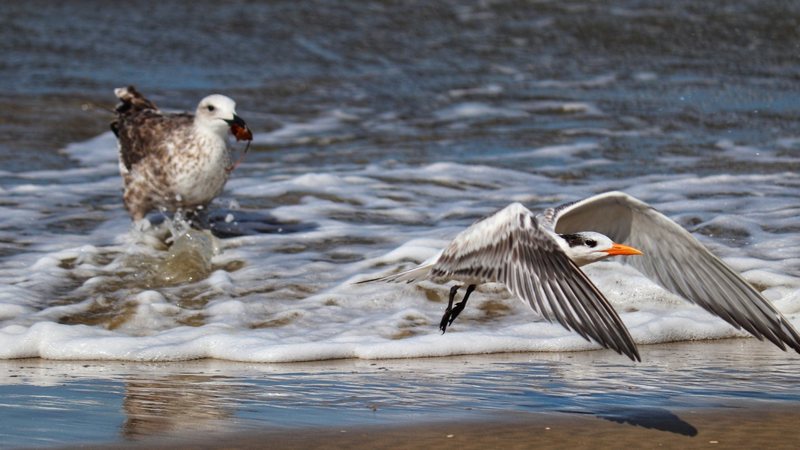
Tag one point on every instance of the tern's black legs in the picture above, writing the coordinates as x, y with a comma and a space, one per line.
451, 312
460, 306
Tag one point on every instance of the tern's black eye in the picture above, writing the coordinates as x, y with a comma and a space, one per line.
210, 107
591, 243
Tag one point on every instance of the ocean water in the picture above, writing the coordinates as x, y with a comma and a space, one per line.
287, 293
381, 131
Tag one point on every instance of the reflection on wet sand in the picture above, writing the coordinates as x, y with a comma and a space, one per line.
137, 401
177, 404
732, 429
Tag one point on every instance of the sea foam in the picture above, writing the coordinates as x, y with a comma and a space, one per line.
105, 290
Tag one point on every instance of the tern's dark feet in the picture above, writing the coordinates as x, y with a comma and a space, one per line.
456, 311
450, 313
445, 320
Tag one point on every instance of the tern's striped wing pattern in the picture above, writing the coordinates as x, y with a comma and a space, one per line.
679, 262
510, 247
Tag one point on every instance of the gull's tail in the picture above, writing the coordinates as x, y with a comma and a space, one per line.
130, 101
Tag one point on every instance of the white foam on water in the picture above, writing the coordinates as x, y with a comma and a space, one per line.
595, 82
85, 293
301, 132
478, 110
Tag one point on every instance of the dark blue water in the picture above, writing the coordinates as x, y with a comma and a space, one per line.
699, 71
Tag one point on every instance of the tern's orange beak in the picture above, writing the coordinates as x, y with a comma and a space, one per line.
619, 249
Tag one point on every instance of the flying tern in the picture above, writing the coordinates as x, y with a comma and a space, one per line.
537, 258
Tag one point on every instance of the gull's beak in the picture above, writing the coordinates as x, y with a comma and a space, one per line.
239, 129
236, 121
619, 249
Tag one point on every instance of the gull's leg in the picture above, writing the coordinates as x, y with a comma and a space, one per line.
460, 305
446, 317
199, 218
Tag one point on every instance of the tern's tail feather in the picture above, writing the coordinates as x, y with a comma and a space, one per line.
408, 276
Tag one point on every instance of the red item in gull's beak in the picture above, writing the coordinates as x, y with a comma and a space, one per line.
241, 132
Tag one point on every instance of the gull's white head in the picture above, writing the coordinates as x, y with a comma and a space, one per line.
587, 247
218, 114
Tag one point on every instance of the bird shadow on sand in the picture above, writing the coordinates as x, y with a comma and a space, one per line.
651, 418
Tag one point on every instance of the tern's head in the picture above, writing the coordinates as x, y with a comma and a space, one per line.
587, 247
218, 114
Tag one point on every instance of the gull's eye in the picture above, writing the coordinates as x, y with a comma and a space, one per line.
210, 107
591, 243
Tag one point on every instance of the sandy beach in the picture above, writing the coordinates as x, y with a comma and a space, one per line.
747, 425
728, 393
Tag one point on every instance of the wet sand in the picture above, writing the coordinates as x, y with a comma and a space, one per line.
747, 425
720, 394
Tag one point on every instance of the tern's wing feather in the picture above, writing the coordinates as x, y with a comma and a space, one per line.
679, 262
511, 248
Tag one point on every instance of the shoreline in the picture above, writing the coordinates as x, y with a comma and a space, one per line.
745, 425
727, 393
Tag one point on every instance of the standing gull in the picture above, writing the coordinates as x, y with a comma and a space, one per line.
537, 257
174, 161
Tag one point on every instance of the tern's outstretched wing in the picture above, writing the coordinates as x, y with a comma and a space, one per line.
511, 247
679, 262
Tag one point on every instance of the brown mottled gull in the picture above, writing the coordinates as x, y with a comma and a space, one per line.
174, 161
